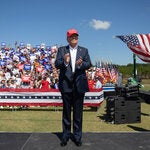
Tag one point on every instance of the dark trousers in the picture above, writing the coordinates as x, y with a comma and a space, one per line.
72, 100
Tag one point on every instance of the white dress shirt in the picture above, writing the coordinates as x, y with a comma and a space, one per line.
73, 53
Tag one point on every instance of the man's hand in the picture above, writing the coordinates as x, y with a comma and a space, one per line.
79, 61
67, 58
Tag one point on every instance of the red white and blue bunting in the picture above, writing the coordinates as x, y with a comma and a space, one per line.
37, 97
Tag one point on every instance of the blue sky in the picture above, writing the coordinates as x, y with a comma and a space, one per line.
97, 21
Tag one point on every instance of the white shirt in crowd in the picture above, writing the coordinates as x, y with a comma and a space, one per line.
98, 84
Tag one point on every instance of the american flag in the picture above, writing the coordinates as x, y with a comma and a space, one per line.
139, 44
113, 73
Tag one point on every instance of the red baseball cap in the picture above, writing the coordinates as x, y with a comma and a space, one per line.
71, 32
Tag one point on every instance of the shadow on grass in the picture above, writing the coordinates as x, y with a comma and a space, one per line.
32, 109
105, 118
144, 114
137, 128
55, 108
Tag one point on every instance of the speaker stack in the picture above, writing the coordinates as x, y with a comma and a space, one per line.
125, 106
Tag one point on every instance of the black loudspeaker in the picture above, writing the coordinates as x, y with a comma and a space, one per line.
129, 116
122, 103
127, 91
123, 110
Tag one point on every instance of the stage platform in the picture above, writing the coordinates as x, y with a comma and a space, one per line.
91, 141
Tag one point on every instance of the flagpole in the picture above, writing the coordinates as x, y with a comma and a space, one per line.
134, 66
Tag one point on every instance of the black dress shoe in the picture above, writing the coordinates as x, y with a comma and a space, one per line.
63, 143
78, 143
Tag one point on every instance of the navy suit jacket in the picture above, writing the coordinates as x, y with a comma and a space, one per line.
66, 79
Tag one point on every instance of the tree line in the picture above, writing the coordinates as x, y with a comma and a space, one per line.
142, 70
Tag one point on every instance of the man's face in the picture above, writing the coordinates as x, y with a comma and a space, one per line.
73, 40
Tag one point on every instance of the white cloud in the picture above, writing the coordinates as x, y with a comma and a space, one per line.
98, 24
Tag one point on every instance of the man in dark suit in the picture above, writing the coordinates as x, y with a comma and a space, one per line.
73, 61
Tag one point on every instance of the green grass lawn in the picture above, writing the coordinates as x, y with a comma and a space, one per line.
48, 119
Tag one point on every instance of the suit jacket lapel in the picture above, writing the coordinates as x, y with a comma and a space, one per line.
67, 50
79, 54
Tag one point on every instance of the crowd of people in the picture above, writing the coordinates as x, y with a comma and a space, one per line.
23, 67
27, 67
